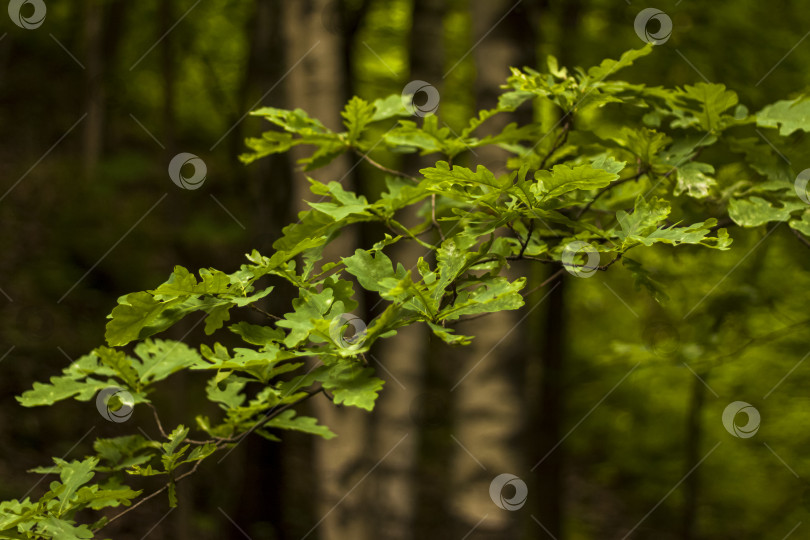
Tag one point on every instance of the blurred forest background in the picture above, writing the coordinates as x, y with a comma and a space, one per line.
616, 396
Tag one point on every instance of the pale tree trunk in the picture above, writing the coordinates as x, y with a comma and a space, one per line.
490, 406
397, 412
316, 84
418, 480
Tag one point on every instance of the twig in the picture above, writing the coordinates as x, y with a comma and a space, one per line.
151, 495
549, 261
263, 312
220, 443
272, 413
551, 278
561, 138
386, 169
157, 420
605, 190
770, 336
163, 432
801, 237
433, 215
408, 233
528, 238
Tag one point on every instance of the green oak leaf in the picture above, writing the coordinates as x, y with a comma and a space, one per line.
60, 529
563, 179
756, 211
788, 115
306, 424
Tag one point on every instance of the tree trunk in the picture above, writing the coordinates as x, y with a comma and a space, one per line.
316, 84
285, 502
488, 387
548, 414
95, 94
693, 441
167, 67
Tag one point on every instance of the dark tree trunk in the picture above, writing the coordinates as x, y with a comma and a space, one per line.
285, 501
693, 441
548, 492
95, 94
168, 67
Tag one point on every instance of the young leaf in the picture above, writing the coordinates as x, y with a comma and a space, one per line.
351, 384
305, 424
60, 529
788, 115
73, 475
563, 179
756, 211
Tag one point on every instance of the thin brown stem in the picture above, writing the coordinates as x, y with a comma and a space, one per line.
801, 237
549, 261
163, 432
551, 278
528, 238
220, 443
272, 413
605, 190
548, 280
157, 420
383, 168
561, 138
150, 496
263, 312
433, 216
